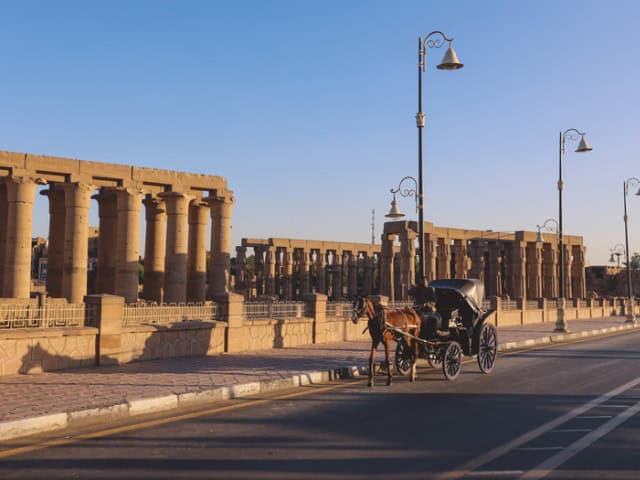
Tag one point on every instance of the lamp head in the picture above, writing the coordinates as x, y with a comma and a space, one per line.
450, 60
539, 238
638, 194
611, 259
395, 211
583, 146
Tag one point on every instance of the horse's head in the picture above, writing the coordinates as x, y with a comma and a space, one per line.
359, 308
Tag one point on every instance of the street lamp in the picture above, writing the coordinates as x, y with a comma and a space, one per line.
404, 192
630, 316
583, 146
548, 226
617, 251
450, 61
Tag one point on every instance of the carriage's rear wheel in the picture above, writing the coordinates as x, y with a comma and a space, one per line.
434, 359
404, 358
487, 347
452, 360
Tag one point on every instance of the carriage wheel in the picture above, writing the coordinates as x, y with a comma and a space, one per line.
487, 347
434, 359
452, 361
404, 358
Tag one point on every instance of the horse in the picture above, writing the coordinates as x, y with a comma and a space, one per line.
380, 319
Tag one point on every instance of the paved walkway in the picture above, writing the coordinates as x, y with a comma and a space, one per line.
28, 396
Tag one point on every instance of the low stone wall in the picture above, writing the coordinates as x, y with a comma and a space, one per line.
37, 350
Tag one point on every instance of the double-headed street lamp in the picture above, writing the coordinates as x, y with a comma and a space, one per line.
616, 252
450, 61
630, 315
583, 146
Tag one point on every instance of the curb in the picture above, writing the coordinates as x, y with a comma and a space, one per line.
13, 429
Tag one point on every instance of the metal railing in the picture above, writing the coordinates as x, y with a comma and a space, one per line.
533, 305
165, 313
46, 316
278, 310
552, 304
509, 305
339, 309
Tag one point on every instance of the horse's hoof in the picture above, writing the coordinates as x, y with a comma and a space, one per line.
370, 384
388, 383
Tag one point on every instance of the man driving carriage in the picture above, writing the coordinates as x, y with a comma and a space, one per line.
424, 303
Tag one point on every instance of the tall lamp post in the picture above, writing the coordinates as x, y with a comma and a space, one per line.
616, 252
630, 315
583, 146
450, 61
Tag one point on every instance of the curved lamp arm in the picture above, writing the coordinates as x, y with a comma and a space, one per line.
407, 192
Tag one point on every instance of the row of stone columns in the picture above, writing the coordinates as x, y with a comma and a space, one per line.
289, 274
175, 246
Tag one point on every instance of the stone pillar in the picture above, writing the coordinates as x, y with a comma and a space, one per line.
17, 272
154, 249
407, 261
549, 271
386, 266
288, 279
175, 265
107, 241
305, 265
220, 263
534, 270
3, 232
518, 269
578, 281
444, 258
108, 313
321, 272
258, 257
128, 244
495, 269
353, 274
568, 261
55, 248
77, 199
367, 261
462, 262
241, 265
476, 253
270, 263
197, 252
338, 292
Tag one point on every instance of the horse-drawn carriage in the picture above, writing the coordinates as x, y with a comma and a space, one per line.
456, 327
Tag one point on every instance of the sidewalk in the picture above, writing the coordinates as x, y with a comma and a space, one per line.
48, 401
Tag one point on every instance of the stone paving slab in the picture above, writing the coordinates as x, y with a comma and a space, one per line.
39, 402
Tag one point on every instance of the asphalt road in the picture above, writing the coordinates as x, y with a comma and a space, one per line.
569, 411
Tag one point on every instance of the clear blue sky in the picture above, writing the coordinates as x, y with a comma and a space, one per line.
308, 107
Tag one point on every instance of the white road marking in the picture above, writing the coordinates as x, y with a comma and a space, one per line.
576, 447
613, 406
536, 432
495, 473
538, 449
594, 417
571, 430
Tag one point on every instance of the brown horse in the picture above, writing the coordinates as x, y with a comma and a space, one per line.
380, 319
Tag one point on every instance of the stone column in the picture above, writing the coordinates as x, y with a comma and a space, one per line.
444, 258
220, 263
305, 264
578, 280
3, 231
197, 253
460, 247
270, 261
518, 269
55, 249
549, 271
17, 272
154, 249
241, 265
534, 270
77, 199
107, 241
386, 266
288, 279
321, 272
568, 261
353, 274
476, 253
368, 274
495, 269
431, 247
258, 258
337, 276
175, 265
128, 202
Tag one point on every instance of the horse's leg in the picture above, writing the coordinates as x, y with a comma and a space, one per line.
416, 349
372, 357
387, 348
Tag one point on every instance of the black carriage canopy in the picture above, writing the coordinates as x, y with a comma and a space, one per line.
451, 291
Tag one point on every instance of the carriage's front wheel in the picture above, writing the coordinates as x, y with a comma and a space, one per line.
452, 360
404, 358
487, 348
